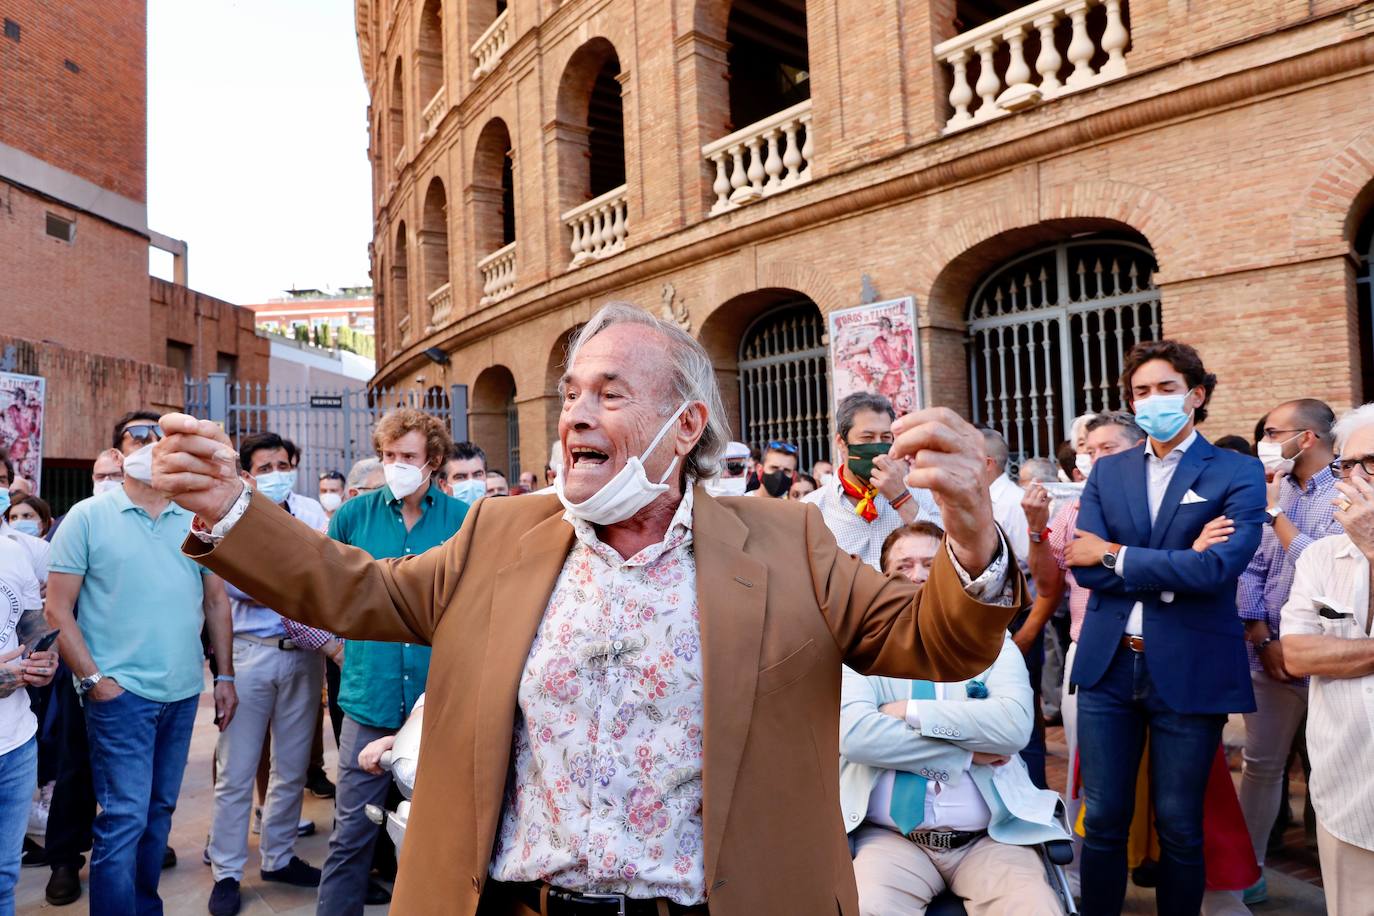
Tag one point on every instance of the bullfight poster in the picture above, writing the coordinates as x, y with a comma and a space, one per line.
874, 347
21, 423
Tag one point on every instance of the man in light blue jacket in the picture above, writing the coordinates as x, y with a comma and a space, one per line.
934, 795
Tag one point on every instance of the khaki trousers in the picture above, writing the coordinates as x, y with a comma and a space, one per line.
898, 878
1347, 875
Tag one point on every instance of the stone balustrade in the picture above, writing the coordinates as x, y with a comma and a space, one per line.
433, 113
498, 274
599, 227
440, 304
764, 158
487, 50
1016, 88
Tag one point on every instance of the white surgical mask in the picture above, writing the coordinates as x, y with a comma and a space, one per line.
105, 486
1084, 462
276, 485
469, 491
625, 493
331, 501
726, 486
1271, 454
403, 479
139, 465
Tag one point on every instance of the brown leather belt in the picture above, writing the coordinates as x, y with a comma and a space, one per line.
573, 903
1134, 643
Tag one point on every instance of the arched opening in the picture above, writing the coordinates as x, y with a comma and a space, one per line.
768, 59
1364, 257
1047, 331
482, 13
400, 283
429, 54
493, 199
591, 152
396, 115
769, 351
433, 241
553, 372
493, 422
380, 305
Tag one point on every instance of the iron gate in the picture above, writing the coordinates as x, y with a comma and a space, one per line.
784, 387
1047, 333
333, 429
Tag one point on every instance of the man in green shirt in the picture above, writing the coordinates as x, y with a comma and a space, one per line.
382, 680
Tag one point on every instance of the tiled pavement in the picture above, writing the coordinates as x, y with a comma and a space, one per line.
1294, 884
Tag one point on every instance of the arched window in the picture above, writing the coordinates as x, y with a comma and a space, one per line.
768, 58
591, 153
1047, 332
433, 240
784, 380
396, 117
1364, 256
493, 420
493, 196
400, 281
429, 65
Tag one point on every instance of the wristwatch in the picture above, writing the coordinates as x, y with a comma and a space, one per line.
1272, 514
1264, 643
87, 683
1109, 559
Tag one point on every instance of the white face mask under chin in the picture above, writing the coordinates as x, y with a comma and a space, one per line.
625, 493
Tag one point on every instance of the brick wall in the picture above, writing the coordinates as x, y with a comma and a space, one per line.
210, 327
92, 122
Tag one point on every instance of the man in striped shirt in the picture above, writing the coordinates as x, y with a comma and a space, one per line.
1326, 636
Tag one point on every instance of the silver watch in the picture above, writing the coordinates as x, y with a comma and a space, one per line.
87, 683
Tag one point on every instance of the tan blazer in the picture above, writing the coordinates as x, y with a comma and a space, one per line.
781, 607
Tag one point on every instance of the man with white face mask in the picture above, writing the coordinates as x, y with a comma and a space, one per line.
734, 472
1297, 448
635, 683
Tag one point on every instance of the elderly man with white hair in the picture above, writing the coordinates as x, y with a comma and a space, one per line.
1325, 629
634, 698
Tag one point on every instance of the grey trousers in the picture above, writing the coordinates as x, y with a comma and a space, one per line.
277, 689
343, 886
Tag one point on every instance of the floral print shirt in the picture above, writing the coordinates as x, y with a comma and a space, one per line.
605, 791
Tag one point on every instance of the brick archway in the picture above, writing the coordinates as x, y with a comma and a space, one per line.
1331, 208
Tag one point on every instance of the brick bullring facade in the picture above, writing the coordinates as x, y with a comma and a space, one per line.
1049, 182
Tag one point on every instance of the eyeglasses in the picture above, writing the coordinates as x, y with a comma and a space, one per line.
1341, 467
143, 433
1270, 433
778, 445
735, 467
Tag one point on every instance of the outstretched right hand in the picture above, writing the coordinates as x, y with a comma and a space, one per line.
196, 465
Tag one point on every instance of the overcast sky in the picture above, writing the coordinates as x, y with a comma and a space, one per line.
257, 144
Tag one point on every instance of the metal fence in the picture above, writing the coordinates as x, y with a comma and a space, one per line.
332, 429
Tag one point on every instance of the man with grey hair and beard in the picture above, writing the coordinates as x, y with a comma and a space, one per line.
635, 692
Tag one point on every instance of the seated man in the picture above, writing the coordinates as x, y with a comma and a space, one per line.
932, 791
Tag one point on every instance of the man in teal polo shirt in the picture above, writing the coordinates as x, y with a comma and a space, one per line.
382, 680
136, 651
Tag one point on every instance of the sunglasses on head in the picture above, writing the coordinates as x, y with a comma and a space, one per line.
784, 447
144, 432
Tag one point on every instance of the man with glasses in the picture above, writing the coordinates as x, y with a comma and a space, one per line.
1296, 447
1326, 636
365, 476
734, 471
776, 471
136, 651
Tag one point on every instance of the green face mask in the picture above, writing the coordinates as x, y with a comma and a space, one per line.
861, 458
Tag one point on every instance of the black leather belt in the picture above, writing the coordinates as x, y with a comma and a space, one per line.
573, 903
945, 839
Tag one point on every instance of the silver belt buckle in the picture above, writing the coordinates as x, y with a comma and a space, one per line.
619, 899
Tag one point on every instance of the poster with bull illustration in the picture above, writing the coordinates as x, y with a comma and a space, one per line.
875, 347
21, 423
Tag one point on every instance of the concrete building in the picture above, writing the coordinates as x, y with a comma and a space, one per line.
1049, 181
350, 307
77, 305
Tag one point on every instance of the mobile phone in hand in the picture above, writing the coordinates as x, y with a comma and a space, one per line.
44, 643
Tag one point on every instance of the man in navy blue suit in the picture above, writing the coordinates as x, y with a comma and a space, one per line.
1162, 648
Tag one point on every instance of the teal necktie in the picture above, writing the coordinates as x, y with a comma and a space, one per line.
908, 807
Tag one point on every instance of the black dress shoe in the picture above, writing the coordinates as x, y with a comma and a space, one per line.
169, 858
297, 872
376, 894
318, 784
64, 886
225, 899
34, 855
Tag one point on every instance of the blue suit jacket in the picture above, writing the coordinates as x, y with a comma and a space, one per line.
1194, 643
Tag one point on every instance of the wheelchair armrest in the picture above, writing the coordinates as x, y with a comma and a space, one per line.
1059, 852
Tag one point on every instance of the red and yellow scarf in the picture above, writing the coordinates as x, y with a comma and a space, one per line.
867, 508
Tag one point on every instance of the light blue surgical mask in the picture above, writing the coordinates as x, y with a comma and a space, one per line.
27, 526
4, 501
276, 485
1162, 415
469, 491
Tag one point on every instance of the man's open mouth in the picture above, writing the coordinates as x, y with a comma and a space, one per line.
586, 457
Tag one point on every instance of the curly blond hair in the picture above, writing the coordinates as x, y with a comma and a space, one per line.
403, 420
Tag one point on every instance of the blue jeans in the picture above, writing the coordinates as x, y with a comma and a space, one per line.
18, 778
1113, 716
138, 756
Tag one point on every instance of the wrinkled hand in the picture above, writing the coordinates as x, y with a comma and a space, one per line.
1355, 512
1086, 549
196, 465
370, 757
39, 668
226, 703
946, 456
992, 760
1217, 531
1036, 504
889, 476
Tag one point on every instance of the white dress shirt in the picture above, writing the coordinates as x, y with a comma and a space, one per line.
1158, 474
1340, 710
1007, 512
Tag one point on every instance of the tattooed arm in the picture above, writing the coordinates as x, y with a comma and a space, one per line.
34, 671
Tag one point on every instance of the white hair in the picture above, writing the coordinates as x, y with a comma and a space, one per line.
362, 470
1354, 419
690, 373
1079, 428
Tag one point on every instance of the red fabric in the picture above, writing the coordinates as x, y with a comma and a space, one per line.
1226, 845
866, 508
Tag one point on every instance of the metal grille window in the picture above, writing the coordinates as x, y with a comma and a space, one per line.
784, 386
1364, 286
1047, 333
513, 439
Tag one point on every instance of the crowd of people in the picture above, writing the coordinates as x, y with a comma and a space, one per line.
1164, 583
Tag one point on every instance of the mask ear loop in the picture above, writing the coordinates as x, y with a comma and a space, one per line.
659, 438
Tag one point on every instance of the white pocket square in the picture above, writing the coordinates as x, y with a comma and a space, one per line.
1190, 497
